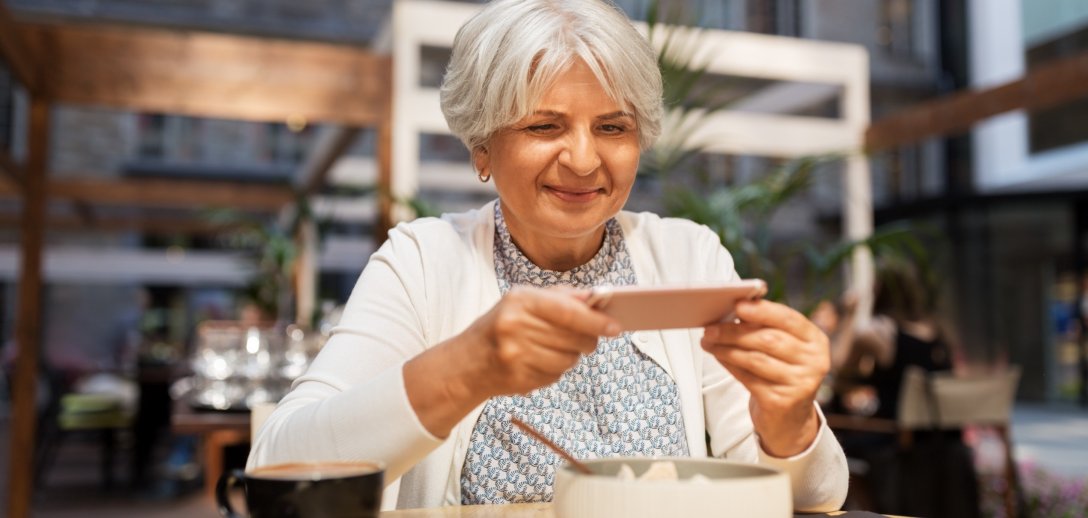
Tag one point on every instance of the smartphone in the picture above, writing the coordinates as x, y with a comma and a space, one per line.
639, 308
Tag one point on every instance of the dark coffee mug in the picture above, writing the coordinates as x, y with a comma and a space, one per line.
306, 490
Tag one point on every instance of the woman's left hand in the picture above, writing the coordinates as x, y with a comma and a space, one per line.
781, 357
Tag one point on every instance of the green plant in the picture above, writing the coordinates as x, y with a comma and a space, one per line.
687, 97
271, 246
741, 215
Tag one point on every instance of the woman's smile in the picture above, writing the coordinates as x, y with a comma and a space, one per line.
574, 194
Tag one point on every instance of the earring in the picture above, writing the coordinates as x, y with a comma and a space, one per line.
480, 175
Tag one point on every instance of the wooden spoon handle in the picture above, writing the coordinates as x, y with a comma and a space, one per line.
554, 447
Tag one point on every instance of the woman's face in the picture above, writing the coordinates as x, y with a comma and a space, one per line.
567, 168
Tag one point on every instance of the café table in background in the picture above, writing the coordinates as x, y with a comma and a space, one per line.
216, 431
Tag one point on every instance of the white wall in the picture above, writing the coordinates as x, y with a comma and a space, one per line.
997, 56
1002, 159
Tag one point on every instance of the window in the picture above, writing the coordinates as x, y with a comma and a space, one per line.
202, 143
896, 31
1062, 125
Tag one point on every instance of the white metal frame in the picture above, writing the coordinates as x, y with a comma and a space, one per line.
418, 23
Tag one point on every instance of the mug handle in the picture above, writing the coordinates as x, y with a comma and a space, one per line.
227, 482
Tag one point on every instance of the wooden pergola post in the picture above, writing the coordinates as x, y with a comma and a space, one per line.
32, 180
28, 316
310, 178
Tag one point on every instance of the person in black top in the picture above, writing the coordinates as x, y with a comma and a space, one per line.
903, 332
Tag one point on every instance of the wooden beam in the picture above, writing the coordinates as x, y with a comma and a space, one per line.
18, 54
28, 317
158, 225
148, 192
174, 193
214, 75
330, 146
1048, 85
15, 174
12, 170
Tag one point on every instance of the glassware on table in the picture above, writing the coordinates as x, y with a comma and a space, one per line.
234, 366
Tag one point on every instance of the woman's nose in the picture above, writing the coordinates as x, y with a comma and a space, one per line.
580, 154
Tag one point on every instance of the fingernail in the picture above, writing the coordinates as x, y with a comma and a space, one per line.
711, 332
613, 329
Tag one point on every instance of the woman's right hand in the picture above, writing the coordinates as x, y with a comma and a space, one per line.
531, 337
526, 341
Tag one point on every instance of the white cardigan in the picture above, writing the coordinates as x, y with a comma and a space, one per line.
428, 282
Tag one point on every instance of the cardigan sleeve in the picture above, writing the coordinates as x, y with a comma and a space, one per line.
351, 404
819, 475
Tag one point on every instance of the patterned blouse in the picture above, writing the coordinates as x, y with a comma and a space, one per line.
614, 402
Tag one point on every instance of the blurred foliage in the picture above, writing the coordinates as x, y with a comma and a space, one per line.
688, 98
741, 215
271, 245
420, 208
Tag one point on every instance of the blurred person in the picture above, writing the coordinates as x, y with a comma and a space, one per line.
460, 322
826, 316
836, 319
904, 331
251, 315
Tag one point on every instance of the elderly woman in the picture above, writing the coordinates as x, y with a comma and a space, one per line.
458, 323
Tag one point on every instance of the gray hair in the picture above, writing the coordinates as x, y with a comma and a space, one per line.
509, 53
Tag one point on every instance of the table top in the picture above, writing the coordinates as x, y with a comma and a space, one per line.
860, 423
185, 420
497, 511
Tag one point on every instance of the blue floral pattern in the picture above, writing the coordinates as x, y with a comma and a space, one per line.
614, 402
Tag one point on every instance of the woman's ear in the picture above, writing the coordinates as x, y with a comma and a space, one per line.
481, 162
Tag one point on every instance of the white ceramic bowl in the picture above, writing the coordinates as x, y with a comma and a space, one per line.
734, 490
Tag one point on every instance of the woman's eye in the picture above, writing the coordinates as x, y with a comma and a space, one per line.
613, 128
542, 128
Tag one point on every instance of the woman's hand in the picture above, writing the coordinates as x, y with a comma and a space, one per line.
532, 336
526, 341
781, 357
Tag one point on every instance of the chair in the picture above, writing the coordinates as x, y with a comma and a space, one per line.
979, 400
103, 414
100, 413
100, 404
